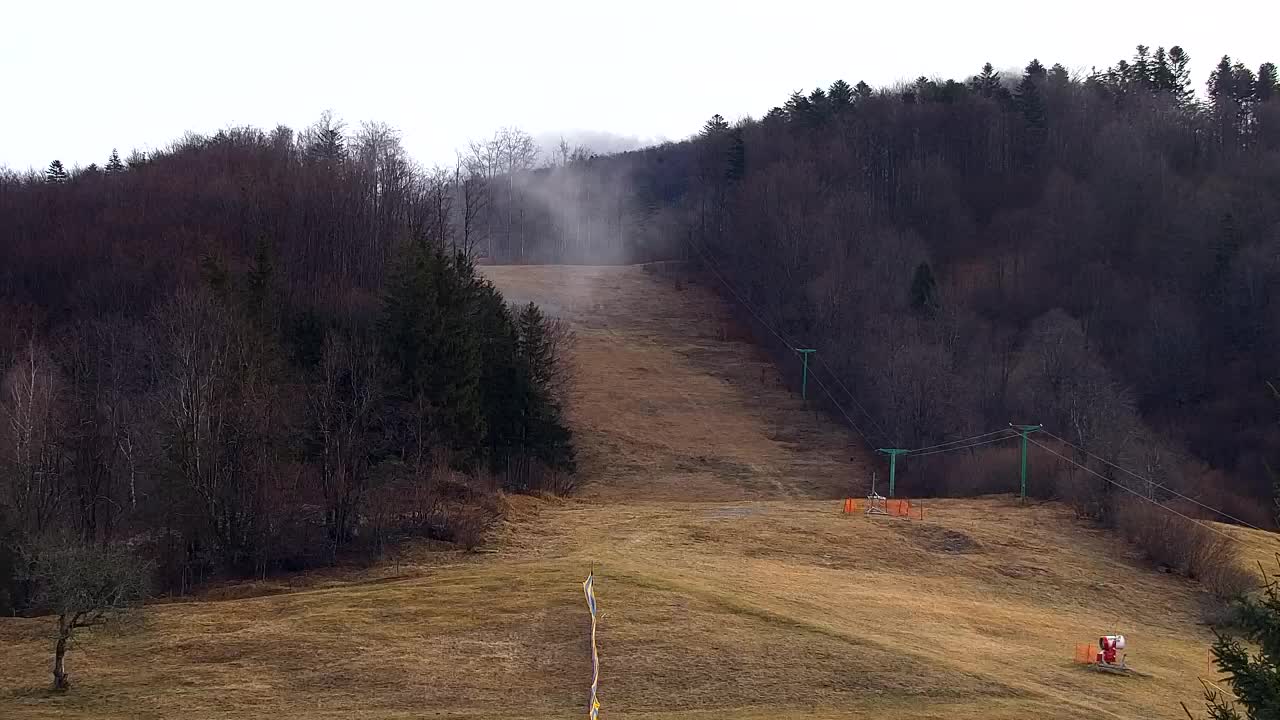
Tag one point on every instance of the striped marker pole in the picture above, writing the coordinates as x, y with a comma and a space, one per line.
588, 589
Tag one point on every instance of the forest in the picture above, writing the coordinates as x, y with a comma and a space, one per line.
1098, 252
258, 352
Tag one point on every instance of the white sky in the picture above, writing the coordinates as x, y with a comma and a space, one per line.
78, 78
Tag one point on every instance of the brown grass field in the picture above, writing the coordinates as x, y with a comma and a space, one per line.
731, 586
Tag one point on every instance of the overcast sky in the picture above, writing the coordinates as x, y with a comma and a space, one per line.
78, 78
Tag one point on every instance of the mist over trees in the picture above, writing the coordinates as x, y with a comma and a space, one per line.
260, 351
1099, 253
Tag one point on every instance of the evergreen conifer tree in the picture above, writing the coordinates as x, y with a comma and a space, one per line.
819, 106
1142, 68
715, 127
546, 435
1244, 84
1268, 83
1029, 101
862, 91
840, 95
1254, 679
736, 168
114, 164
987, 82
798, 108
428, 332
55, 174
1179, 62
924, 290
1162, 72
1221, 86
926, 90
502, 384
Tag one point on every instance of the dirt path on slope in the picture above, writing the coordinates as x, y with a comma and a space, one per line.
666, 407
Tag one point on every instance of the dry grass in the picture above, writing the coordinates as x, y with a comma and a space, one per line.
730, 586
664, 408
1180, 544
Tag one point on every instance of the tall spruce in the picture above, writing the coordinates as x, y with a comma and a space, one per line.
1058, 75
819, 106
716, 127
114, 163
428, 337
1143, 70
986, 83
1161, 72
1028, 99
1268, 83
55, 173
840, 95
1179, 68
1251, 668
546, 436
502, 380
798, 108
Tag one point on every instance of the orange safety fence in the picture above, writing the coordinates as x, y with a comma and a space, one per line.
853, 505
894, 507
898, 508
1086, 654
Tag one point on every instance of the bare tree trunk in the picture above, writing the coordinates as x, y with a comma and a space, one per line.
61, 681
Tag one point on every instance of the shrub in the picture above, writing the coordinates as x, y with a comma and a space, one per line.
463, 524
1184, 546
965, 474
1087, 495
1231, 580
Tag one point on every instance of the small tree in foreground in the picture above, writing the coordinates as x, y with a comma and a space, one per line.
1254, 680
82, 587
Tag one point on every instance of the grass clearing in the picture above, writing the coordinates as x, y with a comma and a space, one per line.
730, 583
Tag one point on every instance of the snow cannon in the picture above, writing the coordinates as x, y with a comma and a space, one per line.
1108, 647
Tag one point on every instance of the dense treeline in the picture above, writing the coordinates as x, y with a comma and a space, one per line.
256, 352
1100, 254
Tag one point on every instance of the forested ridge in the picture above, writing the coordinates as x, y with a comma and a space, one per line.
255, 352
1098, 253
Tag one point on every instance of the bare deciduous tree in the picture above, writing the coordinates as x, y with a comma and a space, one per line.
82, 587
30, 458
342, 417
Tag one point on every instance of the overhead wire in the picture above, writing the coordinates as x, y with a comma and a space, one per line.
1130, 490
843, 387
947, 446
790, 345
961, 447
962, 440
1153, 483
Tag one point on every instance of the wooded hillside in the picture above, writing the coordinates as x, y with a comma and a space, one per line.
258, 352
1098, 253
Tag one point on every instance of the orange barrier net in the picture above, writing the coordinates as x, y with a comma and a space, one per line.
853, 505
898, 508
894, 507
1086, 654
